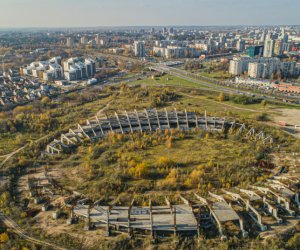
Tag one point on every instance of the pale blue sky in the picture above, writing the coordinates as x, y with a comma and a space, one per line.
67, 13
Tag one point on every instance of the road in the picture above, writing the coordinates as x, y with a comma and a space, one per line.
213, 86
186, 76
196, 79
9, 223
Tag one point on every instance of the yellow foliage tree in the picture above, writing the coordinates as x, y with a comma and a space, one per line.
194, 178
172, 177
119, 137
4, 238
131, 164
221, 97
140, 169
164, 161
207, 136
131, 171
23, 215
169, 142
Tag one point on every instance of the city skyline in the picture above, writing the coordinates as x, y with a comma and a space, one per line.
74, 13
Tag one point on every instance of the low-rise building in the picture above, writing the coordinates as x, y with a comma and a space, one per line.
46, 70
288, 88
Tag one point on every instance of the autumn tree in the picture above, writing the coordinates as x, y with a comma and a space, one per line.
221, 97
194, 178
4, 238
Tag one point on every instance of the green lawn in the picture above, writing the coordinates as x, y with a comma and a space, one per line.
216, 74
198, 98
169, 80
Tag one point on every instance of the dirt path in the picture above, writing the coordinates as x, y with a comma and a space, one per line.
279, 230
19, 231
8, 156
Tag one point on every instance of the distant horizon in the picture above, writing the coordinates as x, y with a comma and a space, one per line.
146, 26
145, 13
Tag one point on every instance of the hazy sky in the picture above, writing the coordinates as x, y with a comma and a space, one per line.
66, 13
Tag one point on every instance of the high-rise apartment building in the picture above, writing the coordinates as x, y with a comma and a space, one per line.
269, 46
278, 47
83, 40
70, 42
139, 49
241, 45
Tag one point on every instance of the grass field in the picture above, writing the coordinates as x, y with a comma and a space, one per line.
173, 81
208, 99
216, 74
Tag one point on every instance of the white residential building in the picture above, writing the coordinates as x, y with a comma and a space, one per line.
139, 49
269, 46
77, 69
239, 65
83, 40
47, 70
255, 70
70, 42
241, 45
263, 67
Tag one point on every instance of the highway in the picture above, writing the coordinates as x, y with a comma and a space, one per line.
205, 81
212, 86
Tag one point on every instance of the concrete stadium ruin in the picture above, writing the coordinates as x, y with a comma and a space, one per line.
147, 121
265, 206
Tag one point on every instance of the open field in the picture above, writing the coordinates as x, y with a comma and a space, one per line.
291, 116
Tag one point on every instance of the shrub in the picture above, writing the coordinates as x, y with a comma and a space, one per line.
262, 117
